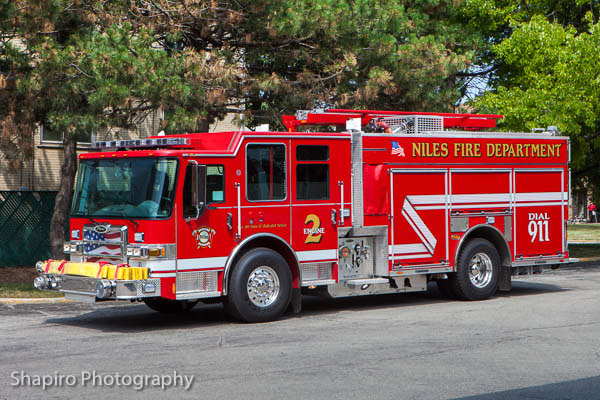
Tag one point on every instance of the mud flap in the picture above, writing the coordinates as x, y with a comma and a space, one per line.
296, 302
505, 281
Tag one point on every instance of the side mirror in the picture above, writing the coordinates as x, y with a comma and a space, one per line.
198, 188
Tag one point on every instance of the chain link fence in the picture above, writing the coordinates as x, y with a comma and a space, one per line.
25, 227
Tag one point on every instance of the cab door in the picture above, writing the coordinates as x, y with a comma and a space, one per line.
318, 179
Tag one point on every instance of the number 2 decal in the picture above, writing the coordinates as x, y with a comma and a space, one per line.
315, 231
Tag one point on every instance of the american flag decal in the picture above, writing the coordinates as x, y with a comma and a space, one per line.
397, 149
112, 247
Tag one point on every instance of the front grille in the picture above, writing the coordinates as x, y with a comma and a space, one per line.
108, 242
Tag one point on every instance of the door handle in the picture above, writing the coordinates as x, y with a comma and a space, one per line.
229, 221
333, 216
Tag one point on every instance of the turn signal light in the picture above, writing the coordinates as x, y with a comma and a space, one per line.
156, 252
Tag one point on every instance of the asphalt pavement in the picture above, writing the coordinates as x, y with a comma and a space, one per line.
539, 341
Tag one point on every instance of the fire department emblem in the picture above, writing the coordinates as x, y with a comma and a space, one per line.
204, 236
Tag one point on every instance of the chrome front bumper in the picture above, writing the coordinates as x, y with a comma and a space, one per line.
82, 288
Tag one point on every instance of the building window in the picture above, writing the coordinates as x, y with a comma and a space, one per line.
48, 136
265, 166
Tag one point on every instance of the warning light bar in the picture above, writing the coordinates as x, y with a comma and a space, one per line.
162, 142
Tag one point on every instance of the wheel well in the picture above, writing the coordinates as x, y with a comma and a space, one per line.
491, 234
268, 241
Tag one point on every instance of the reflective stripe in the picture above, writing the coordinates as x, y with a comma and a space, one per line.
422, 255
418, 225
407, 248
314, 255
206, 262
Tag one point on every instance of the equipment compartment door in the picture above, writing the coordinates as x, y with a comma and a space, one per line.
320, 173
540, 201
419, 217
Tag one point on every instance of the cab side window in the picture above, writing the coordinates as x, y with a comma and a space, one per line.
312, 173
215, 188
266, 171
215, 184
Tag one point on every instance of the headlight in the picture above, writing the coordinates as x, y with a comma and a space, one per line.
135, 252
145, 251
72, 248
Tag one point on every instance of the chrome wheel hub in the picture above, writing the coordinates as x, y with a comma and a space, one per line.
481, 270
263, 286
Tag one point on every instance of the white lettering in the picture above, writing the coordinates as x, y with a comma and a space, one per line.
15, 376
538, 227
188, 383
70, 380
91, 378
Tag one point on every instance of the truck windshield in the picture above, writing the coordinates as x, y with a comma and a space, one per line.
131, 188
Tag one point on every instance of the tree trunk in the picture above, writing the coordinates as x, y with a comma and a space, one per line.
63, 197
203, 125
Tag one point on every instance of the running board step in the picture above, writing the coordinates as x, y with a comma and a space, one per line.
369, 281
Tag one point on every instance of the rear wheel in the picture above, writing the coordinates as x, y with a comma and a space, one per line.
170, 306
478, 271
260, 287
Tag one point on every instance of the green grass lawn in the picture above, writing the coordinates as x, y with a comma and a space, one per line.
584, 232
24, 290
584, 250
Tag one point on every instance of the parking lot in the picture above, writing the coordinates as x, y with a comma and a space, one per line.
538, 341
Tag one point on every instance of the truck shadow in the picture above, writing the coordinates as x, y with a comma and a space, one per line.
316, 305
135, 318
578, 389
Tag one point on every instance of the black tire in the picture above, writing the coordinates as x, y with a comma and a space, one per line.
252, 294
170, 306
481, 281
445, 288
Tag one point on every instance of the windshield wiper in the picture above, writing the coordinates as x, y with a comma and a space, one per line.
133, 221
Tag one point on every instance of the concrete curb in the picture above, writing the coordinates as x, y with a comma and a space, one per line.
588, 259
41, 300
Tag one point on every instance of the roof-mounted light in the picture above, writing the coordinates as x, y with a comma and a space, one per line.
133, 143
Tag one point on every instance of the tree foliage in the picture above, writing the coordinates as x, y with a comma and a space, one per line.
545, 56
85, 65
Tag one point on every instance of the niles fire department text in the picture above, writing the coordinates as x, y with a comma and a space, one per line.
520, 150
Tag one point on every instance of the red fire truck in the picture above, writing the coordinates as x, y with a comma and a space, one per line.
345, 203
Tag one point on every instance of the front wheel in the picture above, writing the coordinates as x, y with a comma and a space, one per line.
478, 271
260, 287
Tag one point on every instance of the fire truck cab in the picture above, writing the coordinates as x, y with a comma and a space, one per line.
377, 202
